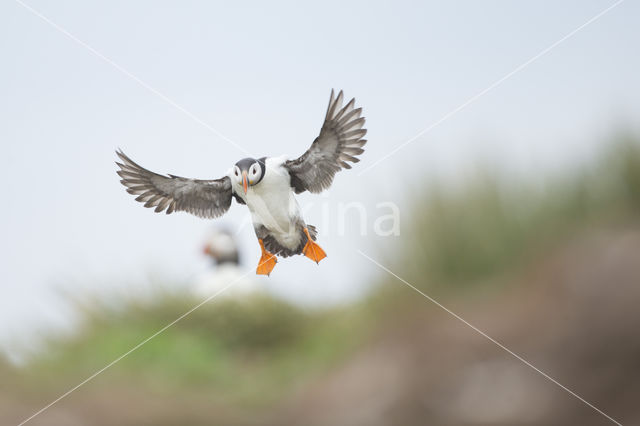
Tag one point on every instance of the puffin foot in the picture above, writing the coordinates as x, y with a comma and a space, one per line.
267, 261
312, 250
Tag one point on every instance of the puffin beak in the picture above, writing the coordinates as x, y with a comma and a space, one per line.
244, 181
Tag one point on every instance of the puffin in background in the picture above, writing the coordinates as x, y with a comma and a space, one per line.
267, 186
223, 251
222, 248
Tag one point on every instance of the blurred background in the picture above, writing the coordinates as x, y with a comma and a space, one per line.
519, 212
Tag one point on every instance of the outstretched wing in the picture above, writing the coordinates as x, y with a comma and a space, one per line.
339, 142
203, 198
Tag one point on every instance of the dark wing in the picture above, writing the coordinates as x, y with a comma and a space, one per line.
339, 142
203, 198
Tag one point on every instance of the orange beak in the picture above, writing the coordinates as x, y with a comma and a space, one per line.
244, 181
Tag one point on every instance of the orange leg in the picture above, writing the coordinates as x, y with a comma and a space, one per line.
312, 250
267, 261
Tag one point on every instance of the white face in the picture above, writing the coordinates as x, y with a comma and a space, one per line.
237, 175
253, 175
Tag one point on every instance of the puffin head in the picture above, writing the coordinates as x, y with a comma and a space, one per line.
248, 172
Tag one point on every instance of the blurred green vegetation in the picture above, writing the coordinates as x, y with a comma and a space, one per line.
462, 240
243, 352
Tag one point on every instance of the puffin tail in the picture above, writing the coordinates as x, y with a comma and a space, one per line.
312, 231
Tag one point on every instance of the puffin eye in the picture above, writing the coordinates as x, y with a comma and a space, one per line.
236, 171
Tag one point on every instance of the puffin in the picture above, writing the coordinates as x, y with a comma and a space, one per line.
224, 254
266, 185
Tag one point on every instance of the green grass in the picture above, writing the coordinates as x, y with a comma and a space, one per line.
249, 352
464, 241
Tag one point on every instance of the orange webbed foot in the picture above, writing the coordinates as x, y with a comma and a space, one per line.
267, 261
312, 250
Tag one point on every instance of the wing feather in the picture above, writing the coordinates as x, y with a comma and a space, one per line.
203, 198
339, 142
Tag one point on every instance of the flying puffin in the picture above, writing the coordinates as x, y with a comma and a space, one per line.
267, 186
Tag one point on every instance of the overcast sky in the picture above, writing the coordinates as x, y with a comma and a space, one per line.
260, 74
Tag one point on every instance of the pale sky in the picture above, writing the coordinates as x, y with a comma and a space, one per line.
260, 73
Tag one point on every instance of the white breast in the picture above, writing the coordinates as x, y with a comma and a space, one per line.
273, 205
